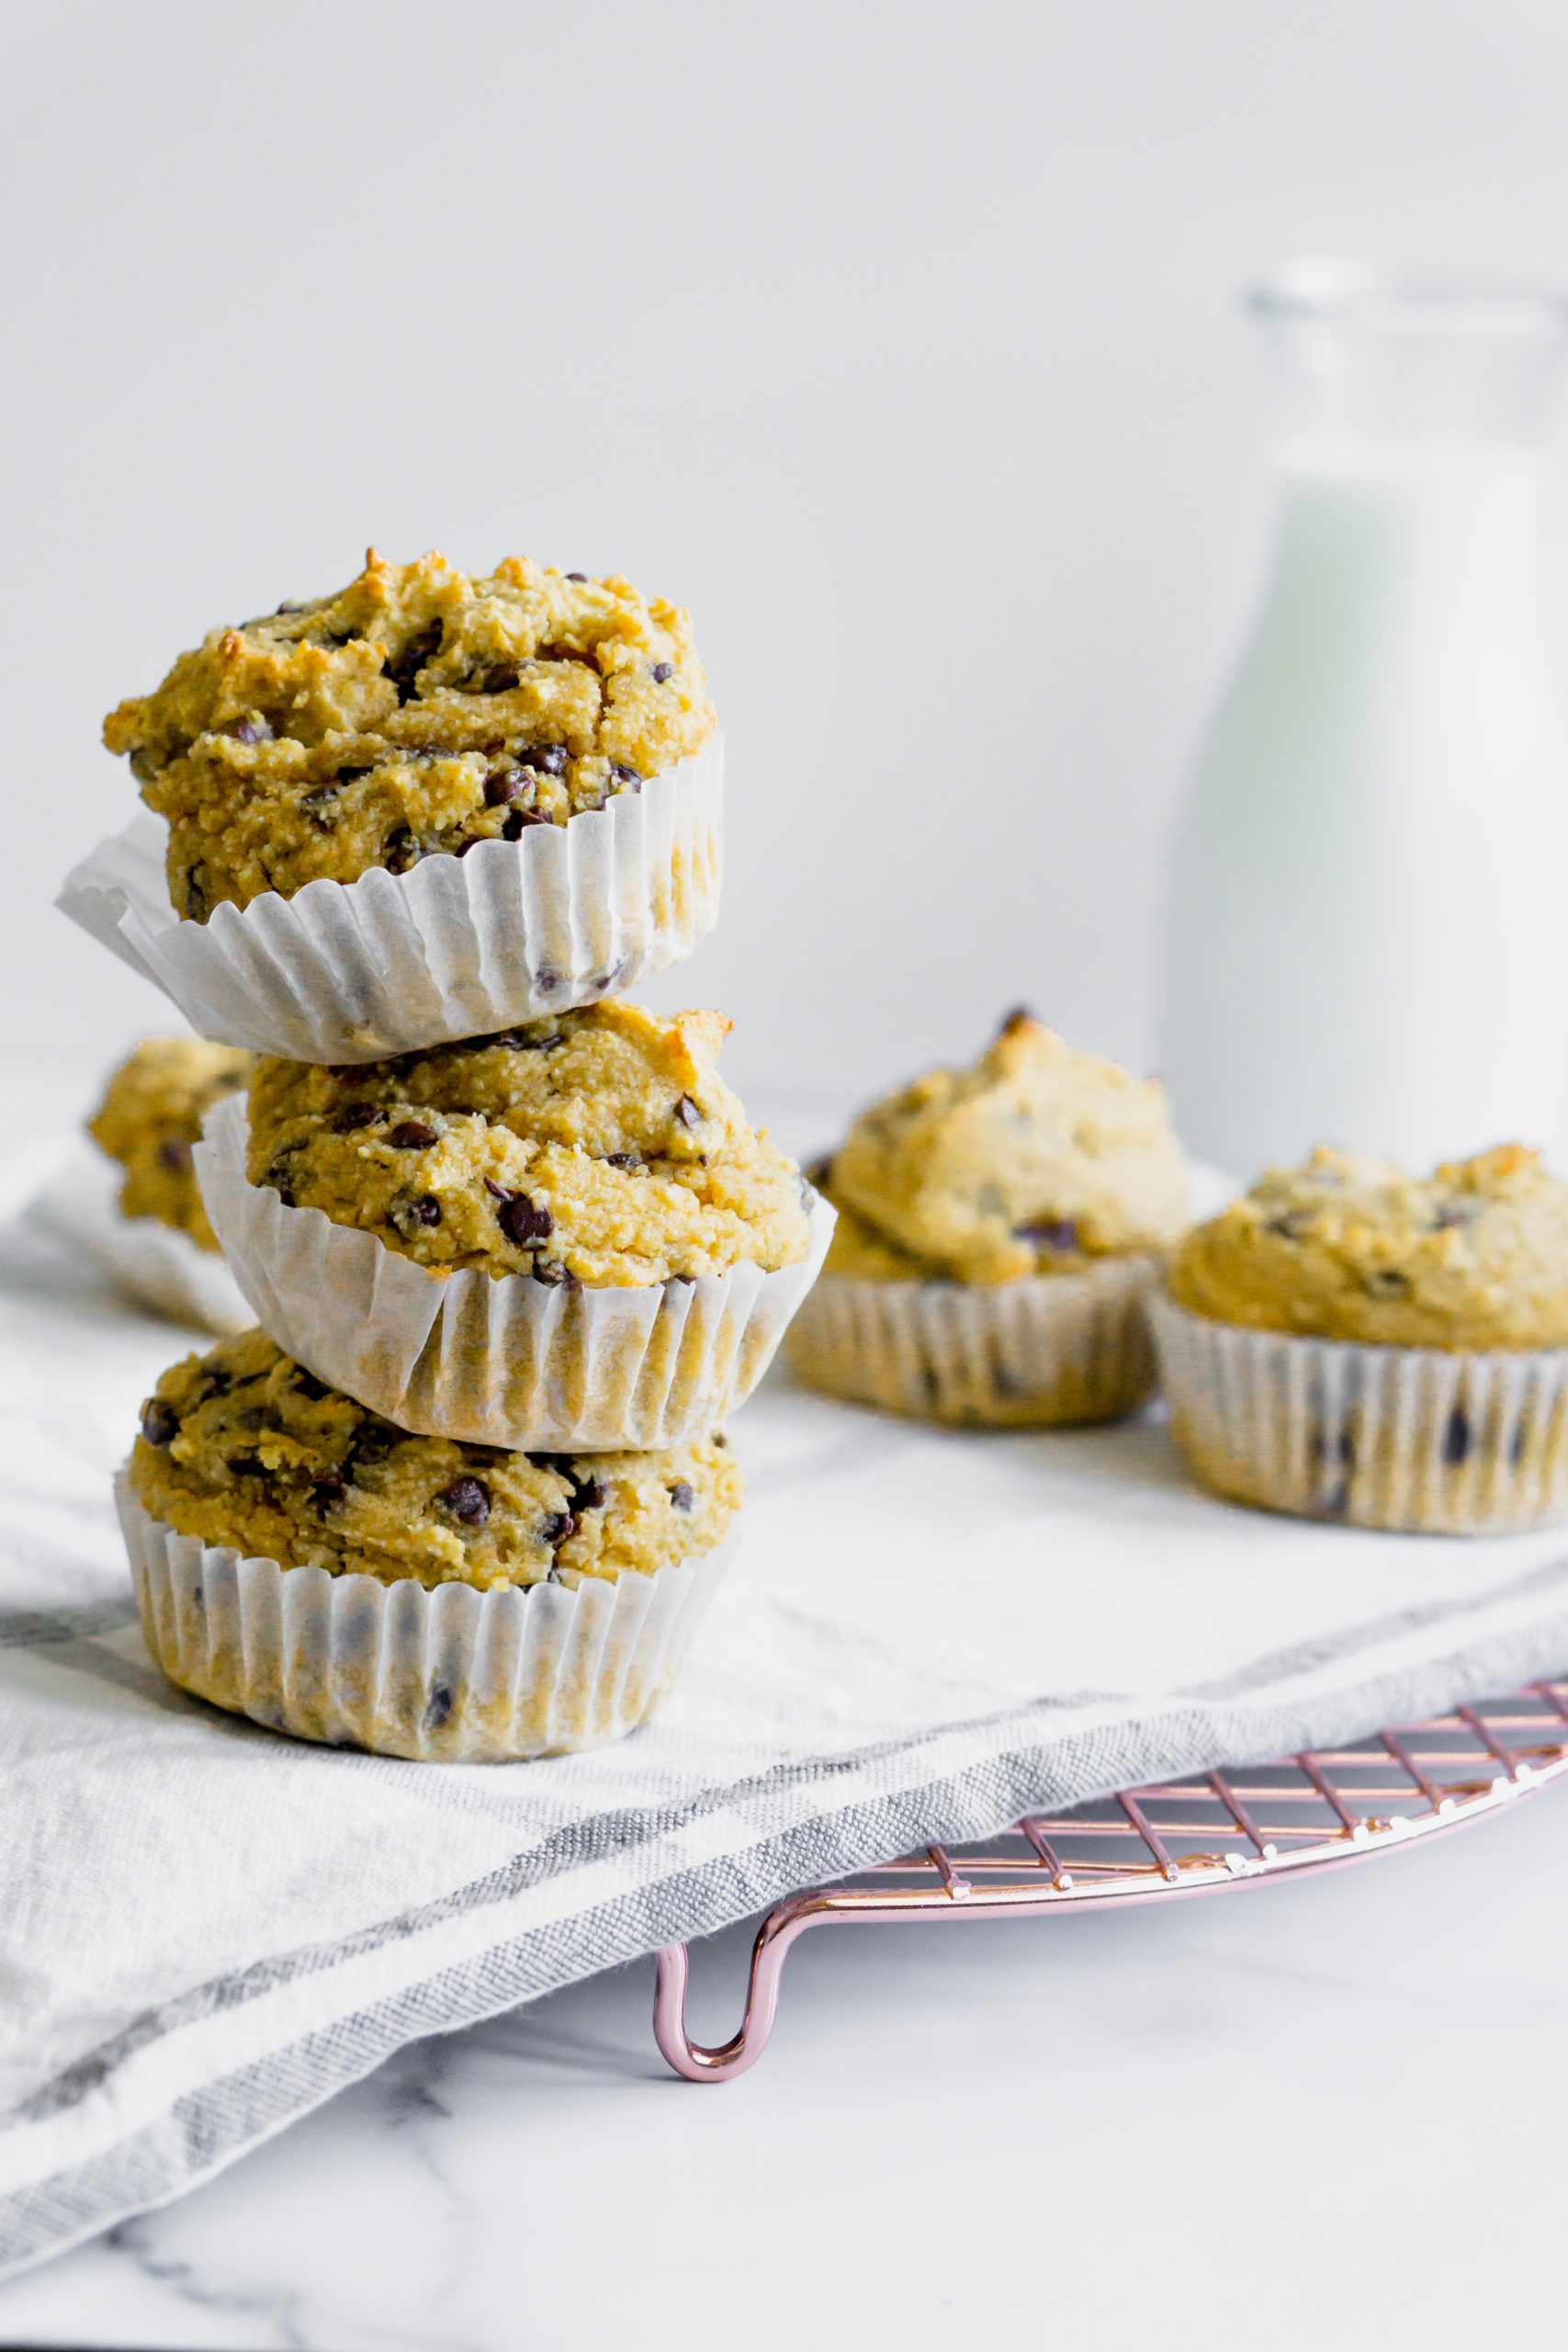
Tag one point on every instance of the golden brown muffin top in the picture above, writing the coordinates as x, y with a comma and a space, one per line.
150, 1116
243, 1447
1474, 1256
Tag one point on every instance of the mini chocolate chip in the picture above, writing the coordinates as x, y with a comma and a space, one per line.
663, 670
309, 1386
577, 575
1050, 1233
286, 1196
321, 806
502, 678
556, 1526
506, 784
195, 901
412, 1134
819, 1173
589, 1496
327, 1492
519, 819
288, 605
413, 658
687, 1112
523, 1223
466, 1499
1456, 1437
401, 851
719, 1439
215, 1381
439, 1706
354, 1114
245, 1466
622, 1159
372, 1442
1020, 1017
552, 758
552, 1275
160, 1422
249, 730
411, 1215
682, 1496
1387, 1282
350, 776
1291, 1224
173, 1154
625, 776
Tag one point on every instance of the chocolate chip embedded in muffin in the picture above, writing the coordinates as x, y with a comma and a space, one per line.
151, 1114
236, 1450
373, 727
599, 1146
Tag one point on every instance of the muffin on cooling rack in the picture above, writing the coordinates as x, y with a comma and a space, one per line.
564, 1233
1000, 1227
416, 810
1351, 1342
305, 1562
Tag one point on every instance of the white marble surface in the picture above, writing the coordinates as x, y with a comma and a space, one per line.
1290, 2116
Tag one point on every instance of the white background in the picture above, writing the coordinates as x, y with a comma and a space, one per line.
898, 341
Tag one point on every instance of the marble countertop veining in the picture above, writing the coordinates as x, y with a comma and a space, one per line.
1329, 2112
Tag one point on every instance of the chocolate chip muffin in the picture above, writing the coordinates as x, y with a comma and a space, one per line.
1037, 1160
412, 714
1350, 1342
598, 1148
998, 1230
245, 1448
1473, 1257
151, 1116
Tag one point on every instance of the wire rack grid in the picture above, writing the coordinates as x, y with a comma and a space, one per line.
1201, 1835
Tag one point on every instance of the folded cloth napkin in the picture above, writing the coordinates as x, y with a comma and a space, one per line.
206, 1930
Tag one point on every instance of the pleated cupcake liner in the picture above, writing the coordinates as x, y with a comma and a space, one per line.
457, 947
498, 1360
156, 1264
1424, 1439
1043, 1351
448, 1674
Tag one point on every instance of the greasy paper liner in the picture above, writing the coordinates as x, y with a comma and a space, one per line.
1042, 1350
1419, 1438
347, 971
450, 1676
497, 1360
156, 1264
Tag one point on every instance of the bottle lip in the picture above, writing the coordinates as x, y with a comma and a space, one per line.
1376, 298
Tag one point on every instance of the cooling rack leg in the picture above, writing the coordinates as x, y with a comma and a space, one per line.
700, 2065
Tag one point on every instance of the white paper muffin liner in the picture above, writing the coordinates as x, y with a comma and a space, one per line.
1420, 1439
450, 1676
346, 972
156, 1264
1041, 1350
497, 1360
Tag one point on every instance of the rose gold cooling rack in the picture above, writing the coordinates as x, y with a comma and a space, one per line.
1198, 1835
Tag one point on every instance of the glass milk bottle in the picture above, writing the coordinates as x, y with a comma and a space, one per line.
1368, 939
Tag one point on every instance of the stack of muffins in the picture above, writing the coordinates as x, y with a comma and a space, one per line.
467, 1491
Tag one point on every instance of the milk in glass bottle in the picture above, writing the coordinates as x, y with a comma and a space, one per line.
1368, 939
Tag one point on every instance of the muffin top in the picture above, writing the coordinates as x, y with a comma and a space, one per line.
151, 1114
1345, 1247
1037, 1160
599, 1146
243, 1447
414, 713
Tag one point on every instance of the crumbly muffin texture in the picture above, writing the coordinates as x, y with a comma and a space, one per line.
1474, 1256
416, 712
151, 1116
243, 1447
600, 1146
1037, 1160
